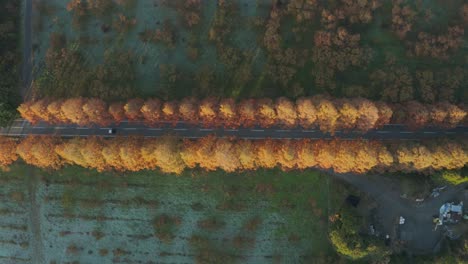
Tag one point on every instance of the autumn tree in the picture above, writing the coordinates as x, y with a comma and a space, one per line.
247, 154
55, 111
39, 108
39, 151
368, 114
117, 111
225, 155
327, 115
8, 153
72, 109
265, 111
151, 111
91, 151
305, 154
26, 112
111, 153
70, 152
188, 110
286, 112
265, 152
208, 111
385, 114
97, 112
348, 114
130, 154
228, 113
417, 115
247, 115
306, 112
164, 153
132, 109
169, 111
286, 154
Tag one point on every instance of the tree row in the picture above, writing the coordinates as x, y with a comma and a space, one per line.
327, 114
172, 155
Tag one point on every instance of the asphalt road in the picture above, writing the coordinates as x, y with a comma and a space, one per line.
21, 128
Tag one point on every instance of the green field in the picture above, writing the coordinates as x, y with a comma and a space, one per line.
257, 217
226, 52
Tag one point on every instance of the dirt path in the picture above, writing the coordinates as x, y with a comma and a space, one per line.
37, 252
418, 231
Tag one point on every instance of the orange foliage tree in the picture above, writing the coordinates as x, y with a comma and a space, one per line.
39, 151
151, 111
8, 153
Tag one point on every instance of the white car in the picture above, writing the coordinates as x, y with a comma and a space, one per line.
112, 131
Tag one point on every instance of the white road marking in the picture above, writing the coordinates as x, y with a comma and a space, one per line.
232, 130
130, 128
383, 131
38, 127
427, 132
206, 129
82, 128
283, 130
180, 129
257, 130
308, 131
406, 132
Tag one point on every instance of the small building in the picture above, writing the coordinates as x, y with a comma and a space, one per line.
450, 213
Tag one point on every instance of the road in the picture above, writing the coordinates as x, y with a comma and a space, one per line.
21, 128
27, 50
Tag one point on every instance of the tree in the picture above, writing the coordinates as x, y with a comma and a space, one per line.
265, 152
97, 112
130, 154
305, 154
72, 109
26, 112
208, 111
247, 154
39, 151
132, 109
70, 152
247, 115
188, 110
286, 112
348, 114
169, 111
117, 111
55, 111
417, 115
8, 153
151, 111
111, 153
265, 111
39, 108
385, 114
228, 113
286, 154
369, 115
168, 153
306, 112
327, 115
91, 151
225, 155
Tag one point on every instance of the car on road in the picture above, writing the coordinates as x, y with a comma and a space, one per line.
112, 131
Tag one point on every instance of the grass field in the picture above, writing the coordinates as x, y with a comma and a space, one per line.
84, 216
224, 53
